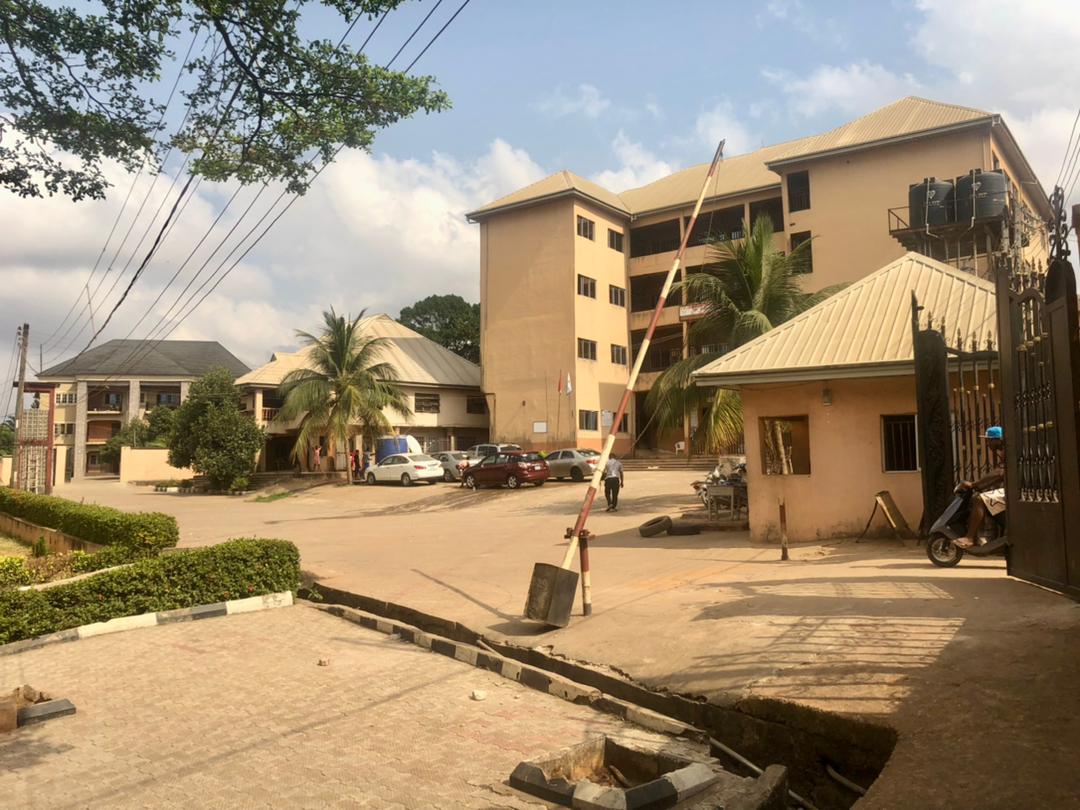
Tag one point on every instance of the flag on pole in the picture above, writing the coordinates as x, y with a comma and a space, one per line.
569, 385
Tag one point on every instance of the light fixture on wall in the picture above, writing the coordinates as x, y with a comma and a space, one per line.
826, 396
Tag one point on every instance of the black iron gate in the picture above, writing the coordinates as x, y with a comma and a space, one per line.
1040, 357
957, 395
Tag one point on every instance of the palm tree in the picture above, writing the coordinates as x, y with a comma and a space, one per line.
344, 385
747, 288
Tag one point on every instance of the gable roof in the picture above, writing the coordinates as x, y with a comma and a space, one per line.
560, 184
136, 358
418, 360
864, 330
907, 118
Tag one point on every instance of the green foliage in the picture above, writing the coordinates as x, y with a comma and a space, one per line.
81, 562
7, 436
160, 423
154, 431
39, 548
13, 572
277, 496
84, 78
240, 484
136, 532
231, 570
344, 385
211, 435
746, 288
449, 320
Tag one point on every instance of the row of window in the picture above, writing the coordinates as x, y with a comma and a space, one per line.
785, 444
587, 287
431, 403
590, 420
586, 350
587, 229
64, 429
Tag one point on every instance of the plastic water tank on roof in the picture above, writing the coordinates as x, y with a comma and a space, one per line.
981, 195
931, 202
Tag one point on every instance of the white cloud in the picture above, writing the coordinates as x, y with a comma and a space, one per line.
374, 232
585, 99
851, 89
723, 121
638, 166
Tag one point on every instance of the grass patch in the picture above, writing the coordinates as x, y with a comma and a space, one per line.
277, 496
10, 547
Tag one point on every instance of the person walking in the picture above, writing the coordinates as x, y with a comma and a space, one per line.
613, 482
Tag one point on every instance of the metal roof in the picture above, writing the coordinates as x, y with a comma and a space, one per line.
136, 358
418, 360
909, 117
863, 330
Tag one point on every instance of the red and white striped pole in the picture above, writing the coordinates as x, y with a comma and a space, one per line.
639, 359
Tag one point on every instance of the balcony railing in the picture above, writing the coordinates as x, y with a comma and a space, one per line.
688, 311
269, 414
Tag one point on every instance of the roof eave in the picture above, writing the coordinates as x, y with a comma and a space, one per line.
735, 379
1041, 199
718, 198
483, 213
859, 147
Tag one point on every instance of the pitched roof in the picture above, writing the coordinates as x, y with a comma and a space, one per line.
135, 358
904, 118
863, 330
418, 360
560, 184
739, 174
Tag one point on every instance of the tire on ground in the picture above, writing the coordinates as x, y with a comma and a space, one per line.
651, 528
680, 529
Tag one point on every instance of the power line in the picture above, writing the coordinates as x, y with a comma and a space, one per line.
437, 35
8, 379
413, 34
1068, 147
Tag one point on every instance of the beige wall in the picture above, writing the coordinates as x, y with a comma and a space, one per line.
149, 464
846, 466
527, 291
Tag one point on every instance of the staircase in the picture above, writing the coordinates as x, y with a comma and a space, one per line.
702, 464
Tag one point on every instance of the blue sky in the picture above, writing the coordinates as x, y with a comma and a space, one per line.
622, 92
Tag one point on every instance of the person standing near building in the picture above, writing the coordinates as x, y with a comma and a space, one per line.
613, 482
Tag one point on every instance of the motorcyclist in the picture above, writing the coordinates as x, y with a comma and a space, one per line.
989, 491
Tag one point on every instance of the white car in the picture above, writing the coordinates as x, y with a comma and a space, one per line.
404, 469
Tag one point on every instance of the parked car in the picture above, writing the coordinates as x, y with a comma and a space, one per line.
405, 469
450, 459
511, 469
483, 450
577, 463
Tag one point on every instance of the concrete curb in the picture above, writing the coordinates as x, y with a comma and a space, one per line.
122, 623
532, 677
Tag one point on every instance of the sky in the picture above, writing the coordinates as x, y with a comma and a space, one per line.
621, 92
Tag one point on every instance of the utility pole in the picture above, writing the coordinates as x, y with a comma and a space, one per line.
24, 343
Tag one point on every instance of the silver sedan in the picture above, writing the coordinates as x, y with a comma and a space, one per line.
575, 463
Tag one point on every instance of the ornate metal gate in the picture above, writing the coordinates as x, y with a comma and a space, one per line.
957, 394
1040, 363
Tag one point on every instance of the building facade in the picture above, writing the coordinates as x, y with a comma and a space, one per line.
97, 391
449, 411
570, 272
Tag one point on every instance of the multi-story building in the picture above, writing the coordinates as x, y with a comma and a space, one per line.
449, 411
570, 272
120, 380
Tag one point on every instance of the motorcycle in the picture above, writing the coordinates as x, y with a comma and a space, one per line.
941, 548
718, 477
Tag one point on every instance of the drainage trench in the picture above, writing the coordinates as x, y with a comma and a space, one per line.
811, 743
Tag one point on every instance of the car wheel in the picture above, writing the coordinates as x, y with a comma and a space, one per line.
538, 483
447, 476
559, 477
371, 479
470, 481
405, 480
577, 475
512, 481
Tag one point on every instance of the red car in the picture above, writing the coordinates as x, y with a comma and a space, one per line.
512, 469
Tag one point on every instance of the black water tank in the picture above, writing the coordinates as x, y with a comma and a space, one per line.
981, 194
931, 202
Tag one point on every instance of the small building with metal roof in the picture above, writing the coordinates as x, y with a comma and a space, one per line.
828, 398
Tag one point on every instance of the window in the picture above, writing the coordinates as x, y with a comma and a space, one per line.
772, 208
624, 424
586, 286
427, 403
808, 254
585, 227
614, 240
785, 445
66, 399
587, 420
616, 295
618, 355
899, 448
64, 429
586, 349
173, 400
475, 405
112, 401
658, 238
798, 191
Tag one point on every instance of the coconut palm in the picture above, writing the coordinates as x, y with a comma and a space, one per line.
746, 288
344, 388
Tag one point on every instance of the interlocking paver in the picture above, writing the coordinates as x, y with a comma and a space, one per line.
235, 712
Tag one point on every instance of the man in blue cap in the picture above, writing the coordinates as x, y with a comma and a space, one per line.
989, 490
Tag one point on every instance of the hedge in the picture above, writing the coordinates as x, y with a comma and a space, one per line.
232, 570
140, 533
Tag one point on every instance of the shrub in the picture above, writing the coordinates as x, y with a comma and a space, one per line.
13, 572
231, 570
140, 533
81, 562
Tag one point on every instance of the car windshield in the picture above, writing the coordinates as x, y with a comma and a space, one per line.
532, 456
588, 452
419, 457
511, 448
458, 456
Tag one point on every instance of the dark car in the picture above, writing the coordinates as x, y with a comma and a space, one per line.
511, 469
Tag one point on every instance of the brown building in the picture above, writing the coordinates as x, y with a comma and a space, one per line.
569, 271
